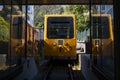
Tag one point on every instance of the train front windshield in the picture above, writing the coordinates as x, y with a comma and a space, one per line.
100, 27
60, 27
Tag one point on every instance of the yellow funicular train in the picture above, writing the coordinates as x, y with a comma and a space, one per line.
102, 34
103, 46
60, 36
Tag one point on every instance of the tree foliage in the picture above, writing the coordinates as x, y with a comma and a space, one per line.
4, 25
6, 12
41, 10
79, 10
4, 30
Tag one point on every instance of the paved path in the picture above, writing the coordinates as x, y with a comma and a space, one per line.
29, 70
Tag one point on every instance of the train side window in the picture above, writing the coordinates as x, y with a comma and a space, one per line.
17, 27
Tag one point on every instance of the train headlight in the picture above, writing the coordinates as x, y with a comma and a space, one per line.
54, 44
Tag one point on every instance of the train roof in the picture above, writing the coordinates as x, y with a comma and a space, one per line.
108, 15
59, 15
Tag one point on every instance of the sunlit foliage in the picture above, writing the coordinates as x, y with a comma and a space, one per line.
79, 11
4, 30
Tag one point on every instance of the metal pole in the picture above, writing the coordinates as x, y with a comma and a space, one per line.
90, 39
10, 55
90, 26
26, 30
116, 8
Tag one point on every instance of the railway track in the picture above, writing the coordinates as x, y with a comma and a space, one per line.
58, 70
61, 72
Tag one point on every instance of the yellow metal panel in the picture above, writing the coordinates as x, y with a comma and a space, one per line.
106, 45
69, 45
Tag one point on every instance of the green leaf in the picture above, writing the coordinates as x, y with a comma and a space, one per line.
4, 30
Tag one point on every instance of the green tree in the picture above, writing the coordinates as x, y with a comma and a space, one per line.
81, 19
4, 30
66, 9
41, 10
40, 18
6, 12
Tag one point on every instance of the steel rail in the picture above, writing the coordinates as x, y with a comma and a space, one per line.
48, 72
70, 72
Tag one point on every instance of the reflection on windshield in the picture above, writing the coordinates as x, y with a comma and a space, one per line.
100, 27
60, 27
60, 33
